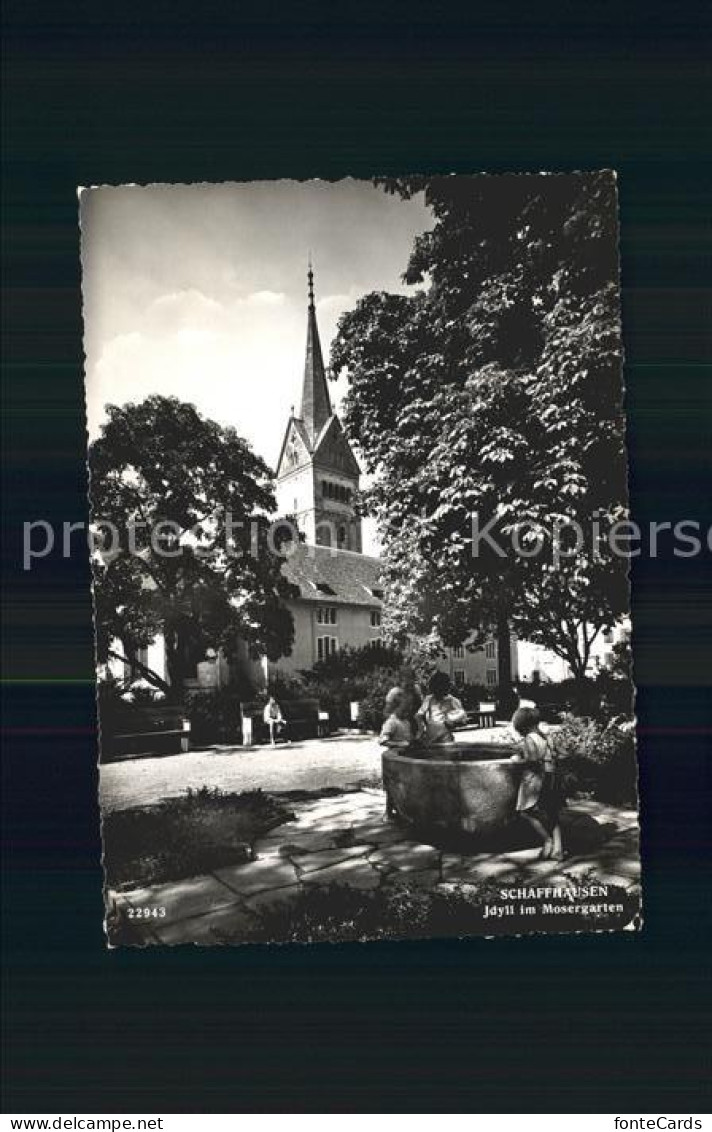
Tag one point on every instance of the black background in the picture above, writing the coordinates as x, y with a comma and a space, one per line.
169, 92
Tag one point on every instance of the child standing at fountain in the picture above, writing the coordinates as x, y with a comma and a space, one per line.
539, 799
411, 695
396, 731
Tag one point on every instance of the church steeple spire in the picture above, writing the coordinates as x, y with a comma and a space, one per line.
316, 404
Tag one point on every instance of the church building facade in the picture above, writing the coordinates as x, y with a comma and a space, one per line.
340, 601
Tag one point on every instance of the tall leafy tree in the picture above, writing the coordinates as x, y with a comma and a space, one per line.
182, 507
495, 391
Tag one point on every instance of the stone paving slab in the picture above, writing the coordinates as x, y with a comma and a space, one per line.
328, 857
183, 898
308, 841
355, 873
205, 929
272, 872
406, 856
273, 897
421, 878
494, 868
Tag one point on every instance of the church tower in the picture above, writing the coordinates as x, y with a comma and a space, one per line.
317, 472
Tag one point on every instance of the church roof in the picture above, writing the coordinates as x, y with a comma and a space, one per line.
315, 408
326, 576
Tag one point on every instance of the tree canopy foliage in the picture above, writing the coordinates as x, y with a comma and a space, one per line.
183, 507
494, 390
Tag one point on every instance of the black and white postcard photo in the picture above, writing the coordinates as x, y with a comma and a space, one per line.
360, 550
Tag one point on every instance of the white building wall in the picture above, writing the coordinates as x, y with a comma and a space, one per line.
294, 493
479, 667
353, 629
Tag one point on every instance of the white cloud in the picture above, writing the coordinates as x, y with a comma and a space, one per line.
270, 298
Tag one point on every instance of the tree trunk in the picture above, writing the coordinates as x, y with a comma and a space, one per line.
174, 664
506, 698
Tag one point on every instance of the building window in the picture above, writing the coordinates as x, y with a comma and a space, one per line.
491, 677
458, 652
459, 675
342, 536
491, 650
336, 491
376, 642
326, 615
326, 646
375, 618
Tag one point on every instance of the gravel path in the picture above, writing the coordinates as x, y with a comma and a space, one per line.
314, 764
341, 761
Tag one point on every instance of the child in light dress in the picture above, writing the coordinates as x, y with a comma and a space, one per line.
539, 799
396, 732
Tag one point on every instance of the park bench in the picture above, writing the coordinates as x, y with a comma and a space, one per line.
482, 716
304, 720
155, 731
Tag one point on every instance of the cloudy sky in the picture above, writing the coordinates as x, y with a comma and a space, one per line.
200, 291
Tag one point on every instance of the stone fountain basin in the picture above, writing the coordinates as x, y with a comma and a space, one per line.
463, 788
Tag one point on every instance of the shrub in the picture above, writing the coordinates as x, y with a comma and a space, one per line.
350, 665
116, 713
374, 689
286, 688
215, 715
350, 675
607, 694
339, 680
195, 833
471, 695
553, 699
598, 758
616, 695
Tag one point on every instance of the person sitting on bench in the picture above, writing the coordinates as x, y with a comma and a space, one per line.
274, 719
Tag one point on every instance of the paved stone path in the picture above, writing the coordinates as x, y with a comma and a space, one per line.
341, 762
347, 839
